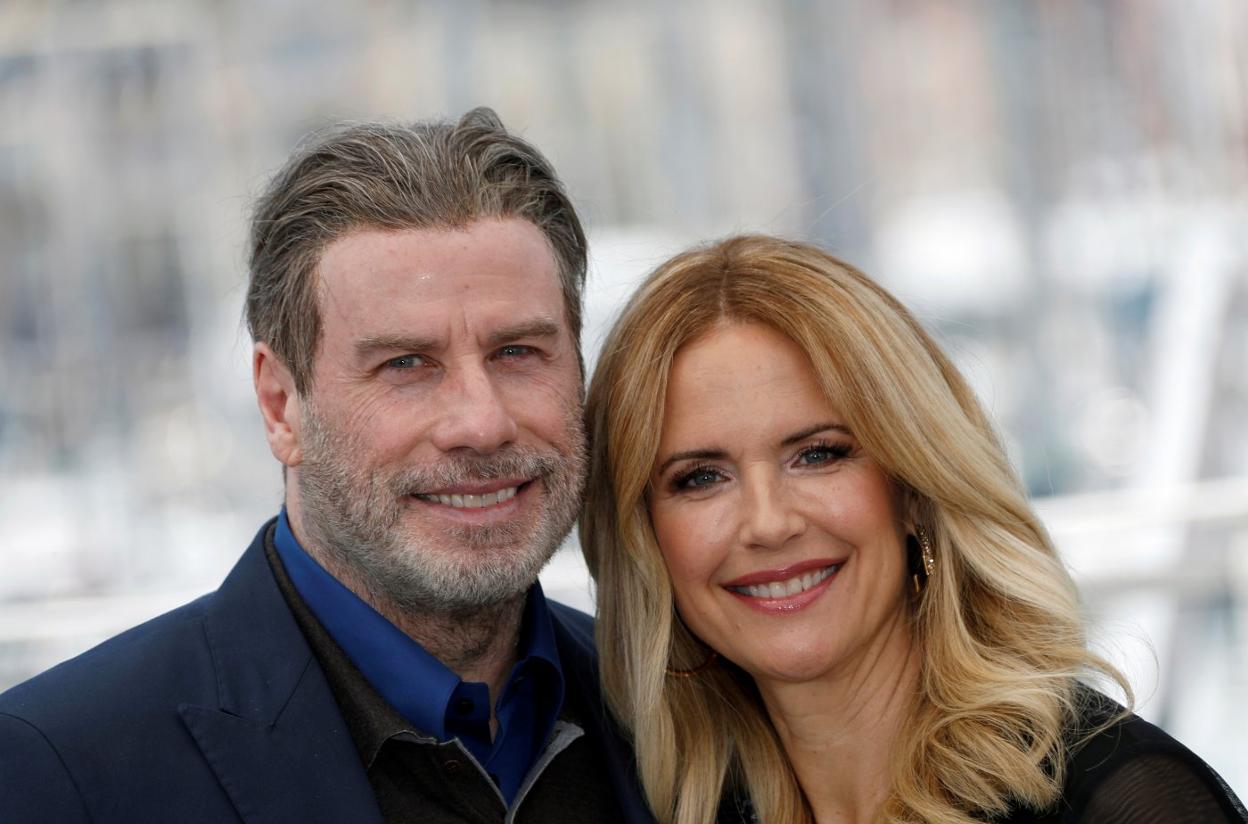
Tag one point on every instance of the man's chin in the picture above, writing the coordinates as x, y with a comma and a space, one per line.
458, 591
473, 560
451, 542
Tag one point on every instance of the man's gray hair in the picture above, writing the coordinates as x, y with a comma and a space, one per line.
378, 176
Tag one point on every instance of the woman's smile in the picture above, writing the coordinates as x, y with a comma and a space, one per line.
785, 590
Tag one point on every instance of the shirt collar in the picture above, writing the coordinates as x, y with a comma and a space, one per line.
411, 679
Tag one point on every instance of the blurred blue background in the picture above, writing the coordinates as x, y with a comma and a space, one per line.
1059, 189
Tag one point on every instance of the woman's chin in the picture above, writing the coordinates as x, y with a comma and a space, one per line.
790, 667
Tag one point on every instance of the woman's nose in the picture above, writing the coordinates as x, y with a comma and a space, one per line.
769, 520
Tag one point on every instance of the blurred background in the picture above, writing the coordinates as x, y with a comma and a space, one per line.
1059, 189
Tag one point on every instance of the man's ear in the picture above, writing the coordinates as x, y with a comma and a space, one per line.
279, 404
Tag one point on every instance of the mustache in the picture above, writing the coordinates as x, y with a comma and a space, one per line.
458, 469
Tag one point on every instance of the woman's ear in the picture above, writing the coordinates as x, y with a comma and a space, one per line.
912, 509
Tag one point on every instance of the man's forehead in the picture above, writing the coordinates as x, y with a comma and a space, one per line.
497, 272
489, 246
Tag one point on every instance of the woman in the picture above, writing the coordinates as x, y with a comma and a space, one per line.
823, 595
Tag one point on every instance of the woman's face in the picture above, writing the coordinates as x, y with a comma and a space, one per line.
783, 539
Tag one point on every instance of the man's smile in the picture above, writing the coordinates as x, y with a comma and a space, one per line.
475, 496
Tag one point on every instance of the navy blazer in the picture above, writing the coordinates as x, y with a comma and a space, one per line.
219, 711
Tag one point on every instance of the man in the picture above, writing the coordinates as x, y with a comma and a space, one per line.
382, 651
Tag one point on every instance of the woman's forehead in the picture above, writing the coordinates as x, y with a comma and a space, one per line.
739, 379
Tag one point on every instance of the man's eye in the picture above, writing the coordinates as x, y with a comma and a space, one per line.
405, 362
515, 350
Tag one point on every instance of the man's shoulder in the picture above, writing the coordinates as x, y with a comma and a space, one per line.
97, 727
574, 636
574, 629
114, 677
172, 649
117, 733
134, 672
572, 619
575, 633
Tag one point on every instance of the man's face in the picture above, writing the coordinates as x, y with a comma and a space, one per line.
442, 449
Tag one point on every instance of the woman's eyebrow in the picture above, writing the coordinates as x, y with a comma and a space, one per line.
815, 430
693, 454
719, 454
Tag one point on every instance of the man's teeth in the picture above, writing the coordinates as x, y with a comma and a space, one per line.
473, 501
785, 589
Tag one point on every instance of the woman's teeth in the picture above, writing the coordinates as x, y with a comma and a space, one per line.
785, 589
473, 501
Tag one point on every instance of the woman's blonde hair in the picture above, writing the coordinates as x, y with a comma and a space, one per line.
998, 625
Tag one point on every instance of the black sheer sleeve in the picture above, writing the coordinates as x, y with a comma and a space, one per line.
1162, 788
1132, 772
1124, 770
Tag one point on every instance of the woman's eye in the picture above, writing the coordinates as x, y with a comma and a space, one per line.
822, 454
697, 478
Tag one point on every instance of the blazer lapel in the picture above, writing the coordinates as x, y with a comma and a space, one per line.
276, 740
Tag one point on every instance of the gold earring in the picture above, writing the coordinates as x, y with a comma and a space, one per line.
925, 546
923, 566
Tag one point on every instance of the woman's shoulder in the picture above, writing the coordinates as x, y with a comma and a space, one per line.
1124, 769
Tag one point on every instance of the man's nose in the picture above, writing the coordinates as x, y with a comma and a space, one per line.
768, 518
473, 414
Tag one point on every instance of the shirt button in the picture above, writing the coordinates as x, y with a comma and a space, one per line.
452, 766
464, 706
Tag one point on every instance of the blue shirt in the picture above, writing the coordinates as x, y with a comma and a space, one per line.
423, 690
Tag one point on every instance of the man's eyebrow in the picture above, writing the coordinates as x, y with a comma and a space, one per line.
815, 430
537, 328
385, 343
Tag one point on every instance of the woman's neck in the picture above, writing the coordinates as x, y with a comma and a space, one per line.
839, 732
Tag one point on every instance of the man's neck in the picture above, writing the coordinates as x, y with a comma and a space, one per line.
480, 647
477, 646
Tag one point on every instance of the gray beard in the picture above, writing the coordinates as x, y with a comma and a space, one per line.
355, 518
